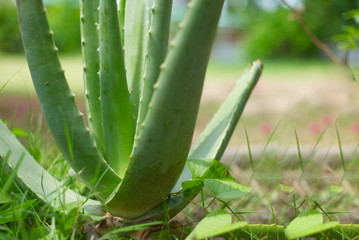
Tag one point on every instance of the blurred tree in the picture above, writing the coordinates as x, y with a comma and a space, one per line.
273, 31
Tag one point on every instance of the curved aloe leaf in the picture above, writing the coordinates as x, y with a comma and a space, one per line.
161, 149
117, 109
135, 33
213, 140
57, 102
46, 187
121, 13
91, 68
157, 49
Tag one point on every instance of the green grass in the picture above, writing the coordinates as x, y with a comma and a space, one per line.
283, 185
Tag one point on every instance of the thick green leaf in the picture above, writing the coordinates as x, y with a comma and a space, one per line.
117, 109
155, 53
161, 149
214, 224
37, 179
306, 224
91, 68
214, 139
58, 103
226, 189
248, 79
135, 39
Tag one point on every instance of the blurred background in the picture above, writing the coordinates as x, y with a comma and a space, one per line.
301, 88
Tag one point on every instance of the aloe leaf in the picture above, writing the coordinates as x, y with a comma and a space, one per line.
156, 52
117, 109
121, 13
306, 224
214, 139
136, 29
58, 103
37, 179
221, 126
161, 149
91, 68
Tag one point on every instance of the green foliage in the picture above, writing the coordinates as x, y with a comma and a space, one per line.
276, 33
349, 39
272, 34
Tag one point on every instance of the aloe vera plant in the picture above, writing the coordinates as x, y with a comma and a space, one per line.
142, 96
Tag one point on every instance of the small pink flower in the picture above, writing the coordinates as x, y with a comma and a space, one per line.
327, 120
355, 128
266, 128
315, 128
